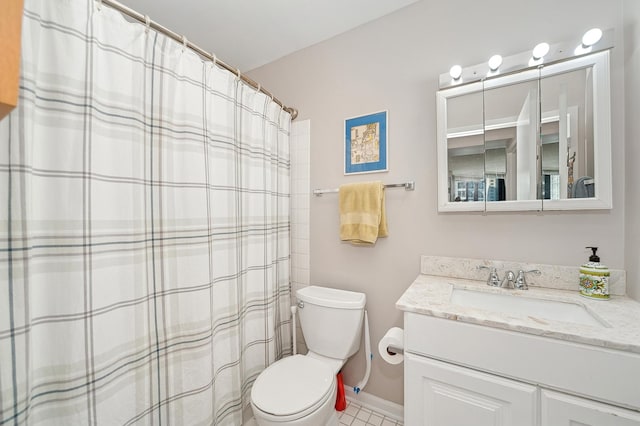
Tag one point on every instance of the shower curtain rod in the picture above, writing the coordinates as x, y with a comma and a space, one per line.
182, 39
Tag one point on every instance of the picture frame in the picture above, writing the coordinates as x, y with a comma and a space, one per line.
366, 143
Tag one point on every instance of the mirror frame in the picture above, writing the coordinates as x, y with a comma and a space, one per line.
599, 62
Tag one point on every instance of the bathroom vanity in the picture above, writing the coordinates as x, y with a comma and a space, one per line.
482, 355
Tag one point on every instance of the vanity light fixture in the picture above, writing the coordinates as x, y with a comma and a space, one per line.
494, 62
540, 50
455, 72
543, 53
535, 62
538, 54
589, 38
581, 50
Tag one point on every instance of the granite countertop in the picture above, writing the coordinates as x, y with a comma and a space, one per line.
620, 315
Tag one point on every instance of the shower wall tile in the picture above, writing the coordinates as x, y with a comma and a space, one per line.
300, 190
300, 245
303, 230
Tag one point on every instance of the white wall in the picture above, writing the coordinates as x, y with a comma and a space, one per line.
394, 64
632, 149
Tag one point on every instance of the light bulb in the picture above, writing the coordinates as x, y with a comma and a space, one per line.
494, 62
455, 72
540, 50
591, 37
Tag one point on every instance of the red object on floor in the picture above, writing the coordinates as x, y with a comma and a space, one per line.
341, 402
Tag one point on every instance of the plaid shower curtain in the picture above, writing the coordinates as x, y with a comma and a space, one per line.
144, 229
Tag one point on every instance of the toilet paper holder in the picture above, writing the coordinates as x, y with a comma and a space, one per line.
391, 346
393, 350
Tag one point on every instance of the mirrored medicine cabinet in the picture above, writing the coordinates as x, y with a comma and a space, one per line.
538, 139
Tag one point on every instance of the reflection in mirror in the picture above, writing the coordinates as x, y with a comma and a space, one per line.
465, 148
567, 135
510, 121
549, 138
496, 168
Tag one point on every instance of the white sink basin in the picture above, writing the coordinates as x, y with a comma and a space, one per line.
525, 306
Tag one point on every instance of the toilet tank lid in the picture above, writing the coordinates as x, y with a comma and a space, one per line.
332, 297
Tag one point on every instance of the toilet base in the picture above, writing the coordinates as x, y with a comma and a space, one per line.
331, 421
326, 411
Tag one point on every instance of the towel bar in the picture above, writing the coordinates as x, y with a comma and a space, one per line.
409, 186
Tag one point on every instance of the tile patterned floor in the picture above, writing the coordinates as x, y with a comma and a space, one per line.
356, 415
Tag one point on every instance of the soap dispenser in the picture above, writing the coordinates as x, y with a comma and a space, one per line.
594, 278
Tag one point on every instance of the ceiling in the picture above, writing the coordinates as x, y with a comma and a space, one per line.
249, 33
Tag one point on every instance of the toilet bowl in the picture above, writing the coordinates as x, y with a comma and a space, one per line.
297, 390
301, 390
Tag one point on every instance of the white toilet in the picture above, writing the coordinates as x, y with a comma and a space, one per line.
301, 390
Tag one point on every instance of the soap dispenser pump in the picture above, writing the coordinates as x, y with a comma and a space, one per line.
594, 278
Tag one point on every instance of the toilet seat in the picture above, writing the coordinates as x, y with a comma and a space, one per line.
293, 387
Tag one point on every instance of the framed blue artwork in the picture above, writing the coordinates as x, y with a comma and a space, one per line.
365, 144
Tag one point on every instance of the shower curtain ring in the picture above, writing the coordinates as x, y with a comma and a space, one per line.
147, 23
184, 43
239, 74
214, 59
258, 89
99, 4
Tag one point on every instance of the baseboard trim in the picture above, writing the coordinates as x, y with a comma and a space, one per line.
375, 403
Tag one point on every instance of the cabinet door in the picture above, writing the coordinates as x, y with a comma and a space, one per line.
559, 409
442, 394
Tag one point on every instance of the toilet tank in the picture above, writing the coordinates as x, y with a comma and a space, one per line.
331, 320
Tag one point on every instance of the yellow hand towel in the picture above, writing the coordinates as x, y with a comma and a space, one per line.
362, 215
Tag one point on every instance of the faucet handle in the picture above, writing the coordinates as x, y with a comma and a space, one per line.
521, 282
493, 280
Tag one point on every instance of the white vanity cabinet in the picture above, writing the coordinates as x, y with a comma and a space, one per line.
559, 409
458, 373
438, 393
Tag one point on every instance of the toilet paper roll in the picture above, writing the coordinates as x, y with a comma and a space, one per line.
393, 337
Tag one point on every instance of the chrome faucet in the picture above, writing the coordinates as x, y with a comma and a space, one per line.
509, 280
521, 282
493, 280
